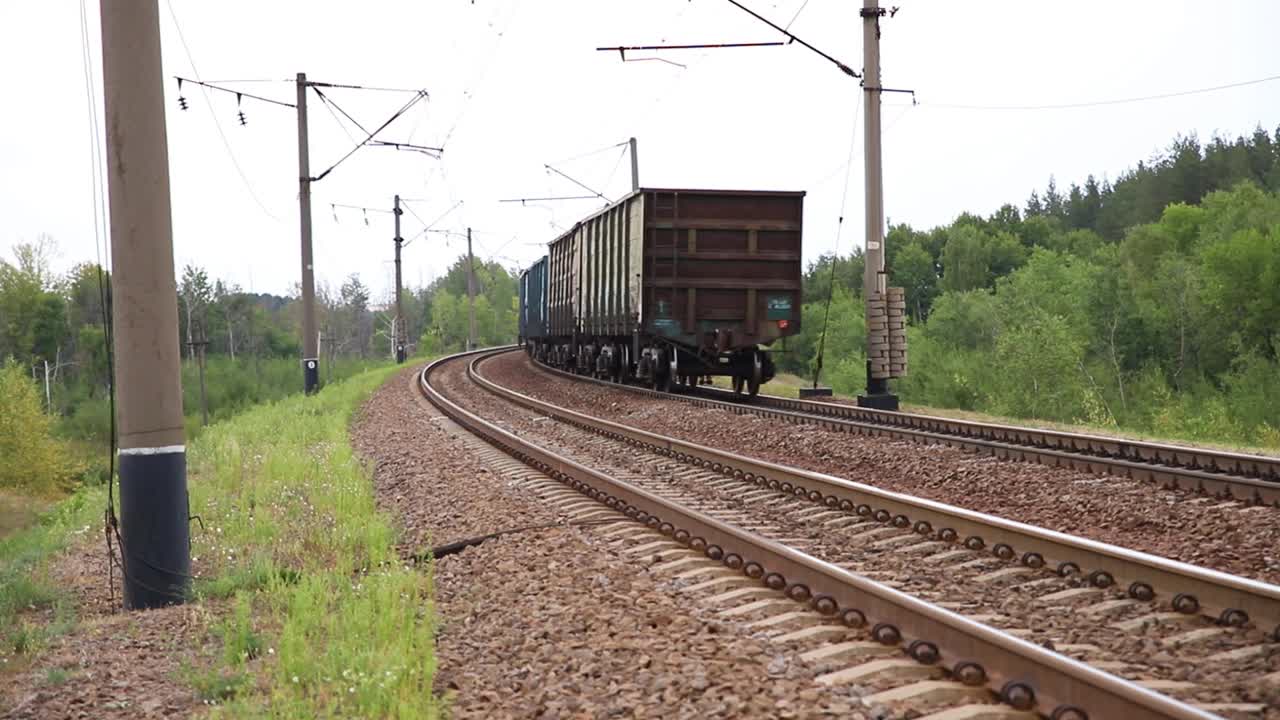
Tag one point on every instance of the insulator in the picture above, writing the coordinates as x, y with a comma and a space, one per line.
182, 102
243, 122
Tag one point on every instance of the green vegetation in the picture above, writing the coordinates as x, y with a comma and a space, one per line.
324, 620
55, 412
26, 586
31, 459
1151, 305
448, 315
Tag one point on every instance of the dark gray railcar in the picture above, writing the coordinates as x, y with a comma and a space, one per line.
533, 301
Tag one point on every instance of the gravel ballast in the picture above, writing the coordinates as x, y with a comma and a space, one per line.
1225, 536
963, 583
555, 623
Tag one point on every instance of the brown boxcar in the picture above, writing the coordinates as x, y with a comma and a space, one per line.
673, 285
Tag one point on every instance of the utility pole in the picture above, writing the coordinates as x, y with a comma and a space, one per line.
310, 353
154, 538
635, 166
873, 277
471, 295
397, 328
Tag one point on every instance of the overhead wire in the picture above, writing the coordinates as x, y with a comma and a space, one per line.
792, 37
371, 135
478, 80
226, 144
1100, 103
795, 17
835, 252
111, 526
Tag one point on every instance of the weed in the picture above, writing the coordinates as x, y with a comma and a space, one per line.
23, 638
239, 642
215, 685
56, 676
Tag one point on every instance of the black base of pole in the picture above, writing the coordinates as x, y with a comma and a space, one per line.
310, 376
399, 353
153, 528
877, 396
885, 401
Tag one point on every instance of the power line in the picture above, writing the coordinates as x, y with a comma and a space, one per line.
835, 253
334, 106
525, 200
366, 87
238, 93
1098, 103
795, 17
226, 144
791, 36
592, 152
575, 182
622, 49
420, 94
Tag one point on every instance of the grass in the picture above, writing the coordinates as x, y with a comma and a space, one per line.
325, 620
26, 588
315, 613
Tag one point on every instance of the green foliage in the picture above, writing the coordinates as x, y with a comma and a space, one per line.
450, 314
239, 642
324, 612
31, 459
25, 583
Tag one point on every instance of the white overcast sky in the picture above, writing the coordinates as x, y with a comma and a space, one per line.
515, 84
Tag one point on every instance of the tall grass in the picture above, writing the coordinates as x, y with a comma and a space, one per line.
293, 535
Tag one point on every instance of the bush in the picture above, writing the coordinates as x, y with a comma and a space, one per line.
31, 459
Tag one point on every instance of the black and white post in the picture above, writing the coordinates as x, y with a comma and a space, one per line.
310, 338
153, 463
397, 328
471, 295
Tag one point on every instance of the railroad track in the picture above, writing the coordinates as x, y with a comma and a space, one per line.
1249, 478
1023, 674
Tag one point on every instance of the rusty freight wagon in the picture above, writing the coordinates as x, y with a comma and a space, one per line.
669, 286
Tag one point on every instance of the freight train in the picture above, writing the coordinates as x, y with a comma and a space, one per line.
668, 287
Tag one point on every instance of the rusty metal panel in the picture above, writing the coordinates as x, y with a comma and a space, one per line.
683, 264
722, 261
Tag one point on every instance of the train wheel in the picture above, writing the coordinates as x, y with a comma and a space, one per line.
757, 370
661, 373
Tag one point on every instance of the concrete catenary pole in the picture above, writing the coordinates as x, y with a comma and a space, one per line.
310, 340
153, 461
873, 276
635, 167
471, 295
397, 328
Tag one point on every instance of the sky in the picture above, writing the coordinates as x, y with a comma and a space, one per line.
515, 85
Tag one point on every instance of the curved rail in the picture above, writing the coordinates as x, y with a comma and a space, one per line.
1023, 674
1232, 599
1245, 477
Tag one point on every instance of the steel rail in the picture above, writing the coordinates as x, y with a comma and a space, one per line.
1225, 462
1231, 599
1023, 674
1133, 459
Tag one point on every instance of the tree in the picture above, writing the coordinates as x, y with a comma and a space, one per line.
31, 459
965, 260
196, 293
1040, 362
914, 271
